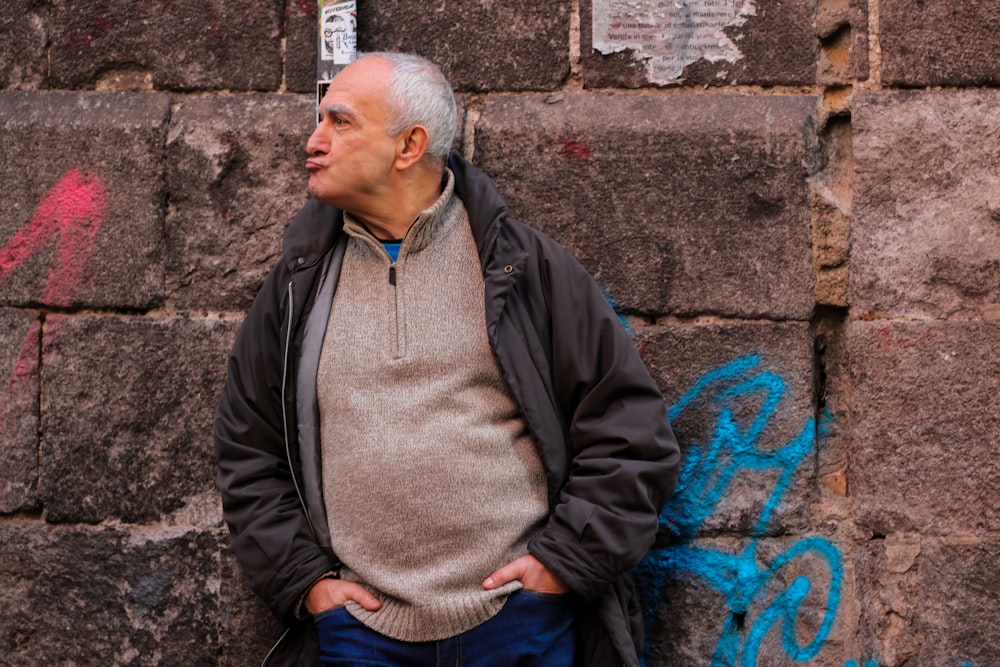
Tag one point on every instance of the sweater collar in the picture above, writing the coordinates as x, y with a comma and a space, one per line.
423, 228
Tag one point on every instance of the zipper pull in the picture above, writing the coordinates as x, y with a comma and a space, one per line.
392, 274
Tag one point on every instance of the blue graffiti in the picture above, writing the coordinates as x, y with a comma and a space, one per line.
708, 474
747, 583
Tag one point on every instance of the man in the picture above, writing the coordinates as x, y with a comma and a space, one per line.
437, 444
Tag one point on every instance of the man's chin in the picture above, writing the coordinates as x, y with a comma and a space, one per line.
316, 193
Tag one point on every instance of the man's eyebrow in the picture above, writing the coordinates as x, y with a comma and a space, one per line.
336, 110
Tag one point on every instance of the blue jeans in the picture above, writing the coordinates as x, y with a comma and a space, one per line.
532, 630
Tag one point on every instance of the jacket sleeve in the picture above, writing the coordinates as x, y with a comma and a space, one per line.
271, 536
623, 457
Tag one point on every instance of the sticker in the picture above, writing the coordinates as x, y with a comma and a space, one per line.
669, 35
338, 25
321, 87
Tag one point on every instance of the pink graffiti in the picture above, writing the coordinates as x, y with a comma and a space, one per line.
575, 147
72, 213
100, 23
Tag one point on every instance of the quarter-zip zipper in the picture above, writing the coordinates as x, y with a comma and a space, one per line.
398, 342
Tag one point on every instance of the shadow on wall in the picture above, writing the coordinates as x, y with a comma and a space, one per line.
791, 591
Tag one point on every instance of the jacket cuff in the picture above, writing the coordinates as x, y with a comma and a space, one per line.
300, 607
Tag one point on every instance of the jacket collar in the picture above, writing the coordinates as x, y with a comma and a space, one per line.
482, 200
312, 232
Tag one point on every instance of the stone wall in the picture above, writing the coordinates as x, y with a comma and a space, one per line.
800, 225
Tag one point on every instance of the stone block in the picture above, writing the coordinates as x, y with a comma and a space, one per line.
517, 45
859, 66
939, 42
925, 239
236, 176
19, 340
888, 581
842, 27
651, 43
683, 614
127, 413
929, 601
23, 33
82, 177
728, 602
740, 400
924, 419
960, 598
180, 45
84, 596
678, 204
247, 629
301, 28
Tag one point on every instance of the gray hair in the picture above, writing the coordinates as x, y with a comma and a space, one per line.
419, 94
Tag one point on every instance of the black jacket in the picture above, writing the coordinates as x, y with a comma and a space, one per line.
596, 414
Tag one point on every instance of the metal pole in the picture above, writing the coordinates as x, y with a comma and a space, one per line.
338, 42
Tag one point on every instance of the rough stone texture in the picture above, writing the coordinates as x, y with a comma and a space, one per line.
859, 58
236, 173
842, 26
86, 169
834, 444
757, 378
688, 205
19, 339
23, 62
940, 42
480, 46
778, 44
699, 615
927, 601
924, 419
683, 614
889, 591
301, 28
959, 600
127, 413
247, 629
178, 45
926, 242
86, 596
843, 231
831, 199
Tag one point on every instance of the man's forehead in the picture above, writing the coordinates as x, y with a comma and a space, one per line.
358, 88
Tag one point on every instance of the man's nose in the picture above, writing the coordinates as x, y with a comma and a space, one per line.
317, 142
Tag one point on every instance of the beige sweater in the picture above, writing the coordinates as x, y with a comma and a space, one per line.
431, 479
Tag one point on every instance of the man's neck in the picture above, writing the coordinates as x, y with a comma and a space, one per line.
396, 211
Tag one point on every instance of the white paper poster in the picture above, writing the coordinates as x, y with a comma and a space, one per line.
669, 35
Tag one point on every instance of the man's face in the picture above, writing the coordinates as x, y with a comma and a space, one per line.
350, 153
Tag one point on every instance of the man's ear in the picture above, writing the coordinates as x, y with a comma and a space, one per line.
411, 147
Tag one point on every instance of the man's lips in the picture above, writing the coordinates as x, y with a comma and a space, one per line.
312, 165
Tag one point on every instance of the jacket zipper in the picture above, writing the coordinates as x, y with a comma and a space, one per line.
284, 402
270, 654
288, 442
